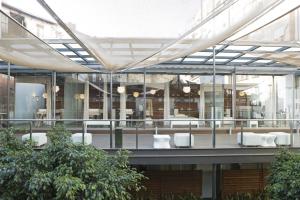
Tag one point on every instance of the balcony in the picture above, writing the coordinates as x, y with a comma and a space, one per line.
210, 145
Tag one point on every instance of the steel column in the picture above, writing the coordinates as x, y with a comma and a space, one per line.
214, 100
111, 110
53, 97
8, 92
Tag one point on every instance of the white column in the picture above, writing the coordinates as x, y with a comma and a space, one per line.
48, 100
105, 102
123, 98
86, 100
166, 103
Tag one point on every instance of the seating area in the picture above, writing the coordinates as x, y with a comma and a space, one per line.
180, 140
271, 139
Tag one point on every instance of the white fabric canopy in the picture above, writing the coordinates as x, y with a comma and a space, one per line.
292, 58
194, 26
19, 46
279, 27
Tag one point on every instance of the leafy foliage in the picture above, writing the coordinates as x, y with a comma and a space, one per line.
284, 180
63, 170
260, 195
168, 196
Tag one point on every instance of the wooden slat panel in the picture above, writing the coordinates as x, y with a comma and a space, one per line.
173, 182
244, 180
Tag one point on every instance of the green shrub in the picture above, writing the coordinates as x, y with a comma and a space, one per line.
63, 170
260, 195
284, 180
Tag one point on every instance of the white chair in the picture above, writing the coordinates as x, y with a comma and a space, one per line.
149, 121
77, 138
38, 138
282, 138
161, 141
253, 124
183, 139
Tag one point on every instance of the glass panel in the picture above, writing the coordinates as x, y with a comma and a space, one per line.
254, 99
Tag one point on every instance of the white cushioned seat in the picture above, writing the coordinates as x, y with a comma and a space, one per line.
268, 140
161, 141
282, 138
77, 138
183, 139
38, 138
256, 139
249, 139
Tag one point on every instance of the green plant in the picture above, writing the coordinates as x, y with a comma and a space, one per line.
260, 195
63, 170
284, 180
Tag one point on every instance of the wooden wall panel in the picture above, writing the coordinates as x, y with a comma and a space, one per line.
243, 180
173, 182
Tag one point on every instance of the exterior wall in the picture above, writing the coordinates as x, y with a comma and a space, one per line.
43, 29
161, 183
243, 181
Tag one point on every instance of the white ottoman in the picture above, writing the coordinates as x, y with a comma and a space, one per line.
282, 138
38, 138
77, 138
183, 140
249, 139
268, 140
161, 141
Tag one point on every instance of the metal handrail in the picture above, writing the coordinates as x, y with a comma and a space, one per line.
30, 121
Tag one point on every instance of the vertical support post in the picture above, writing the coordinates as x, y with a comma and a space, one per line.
53, 98
214, 182
136, 137
83, 131
242, 134
214, 173
145, 98
214, 100
30, 130
190, 136
273, 96
111, 110
8, 93
234, 97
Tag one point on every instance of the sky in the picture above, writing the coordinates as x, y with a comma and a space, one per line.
120, 18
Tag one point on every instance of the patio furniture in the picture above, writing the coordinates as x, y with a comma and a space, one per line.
149, 121
267, 140
161, 141
183, 139
282, 138
39, 139
249, 139
253, 124
256, 139
77, 138
98, 123
184, 122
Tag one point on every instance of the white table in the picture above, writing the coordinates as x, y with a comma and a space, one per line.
98, 123
184, 122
